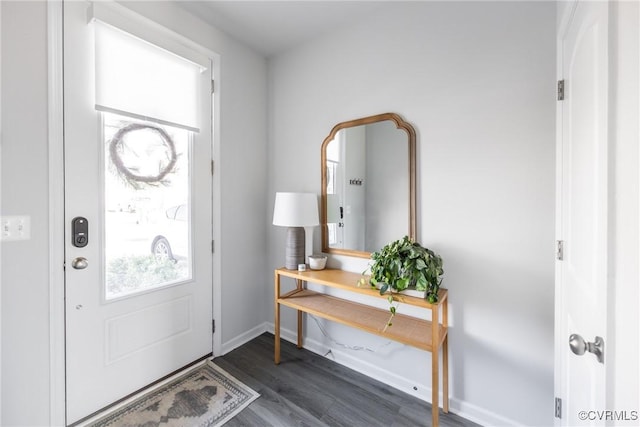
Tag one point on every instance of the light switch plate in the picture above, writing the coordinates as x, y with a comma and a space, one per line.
15, 227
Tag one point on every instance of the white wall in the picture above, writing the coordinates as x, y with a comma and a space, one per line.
477, 81
240, 164
23, 176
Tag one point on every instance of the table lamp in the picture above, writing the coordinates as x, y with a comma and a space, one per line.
296, 211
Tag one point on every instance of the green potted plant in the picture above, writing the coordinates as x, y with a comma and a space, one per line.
402, 265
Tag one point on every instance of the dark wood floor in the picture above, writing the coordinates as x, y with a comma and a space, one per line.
309, 390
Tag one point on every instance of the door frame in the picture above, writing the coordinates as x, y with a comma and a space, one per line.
558, 365
57, 326
559, 336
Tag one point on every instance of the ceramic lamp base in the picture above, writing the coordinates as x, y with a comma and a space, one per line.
295, 248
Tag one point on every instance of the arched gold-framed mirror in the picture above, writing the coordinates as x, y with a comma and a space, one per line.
368, 185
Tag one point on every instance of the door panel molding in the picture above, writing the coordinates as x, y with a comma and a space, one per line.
176, 314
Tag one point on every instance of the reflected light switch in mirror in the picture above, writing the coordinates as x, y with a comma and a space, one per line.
15, 228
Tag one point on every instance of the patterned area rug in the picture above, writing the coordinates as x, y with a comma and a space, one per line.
204, 396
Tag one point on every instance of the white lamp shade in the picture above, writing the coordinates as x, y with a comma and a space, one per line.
296, 210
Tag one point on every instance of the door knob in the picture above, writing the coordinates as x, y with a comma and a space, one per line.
579, 346
79, 263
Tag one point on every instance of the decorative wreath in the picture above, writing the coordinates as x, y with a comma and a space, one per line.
116, 146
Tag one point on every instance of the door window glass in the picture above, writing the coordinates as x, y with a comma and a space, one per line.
146, 196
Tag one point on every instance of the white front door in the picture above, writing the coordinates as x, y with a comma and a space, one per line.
137, 215
582, 217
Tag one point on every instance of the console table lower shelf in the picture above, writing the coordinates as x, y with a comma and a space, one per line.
413, 331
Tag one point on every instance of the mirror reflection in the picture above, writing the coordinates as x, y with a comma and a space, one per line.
368, 184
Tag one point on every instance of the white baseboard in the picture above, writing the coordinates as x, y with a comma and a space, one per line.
244, 338
479, 415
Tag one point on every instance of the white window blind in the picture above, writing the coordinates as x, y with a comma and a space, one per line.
141, 80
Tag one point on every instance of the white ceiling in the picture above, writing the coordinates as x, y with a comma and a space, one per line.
270, 26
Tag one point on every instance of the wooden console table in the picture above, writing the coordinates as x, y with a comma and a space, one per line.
423, 334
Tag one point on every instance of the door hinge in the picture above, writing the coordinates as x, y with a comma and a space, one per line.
558, 410
213, 326
560, 90
213, 164
559, 250
212, 86
213, 246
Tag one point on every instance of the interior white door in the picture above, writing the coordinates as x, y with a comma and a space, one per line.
582, 272
138, 226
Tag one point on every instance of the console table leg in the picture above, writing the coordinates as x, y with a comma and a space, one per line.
299, 329
299, 343
276, 356
445, 357
435, 360
445, 375
435, 407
